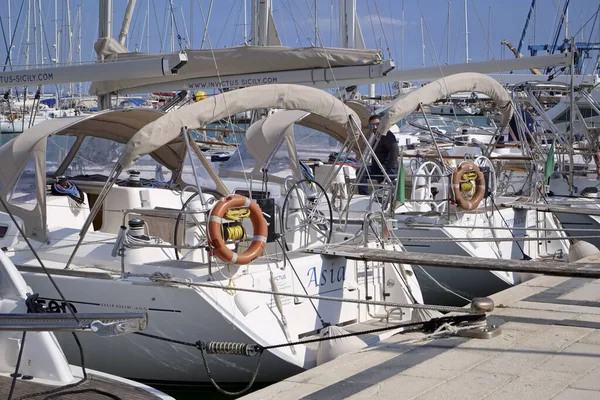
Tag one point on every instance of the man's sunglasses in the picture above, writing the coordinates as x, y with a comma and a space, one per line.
374, 125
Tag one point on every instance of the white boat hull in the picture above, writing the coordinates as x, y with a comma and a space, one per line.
177, 313
475, 283
192, 314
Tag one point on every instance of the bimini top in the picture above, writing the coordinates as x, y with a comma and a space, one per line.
444, 87
271, 143
151, 132
287, 97
30, 147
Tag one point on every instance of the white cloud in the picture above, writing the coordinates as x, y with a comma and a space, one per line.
367, 19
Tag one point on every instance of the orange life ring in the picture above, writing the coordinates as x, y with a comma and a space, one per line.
12, 117
215, 223
467, 167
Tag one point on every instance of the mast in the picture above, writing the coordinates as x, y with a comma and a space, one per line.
260, 21
531, 10
245, 23
567, 22
126, 21
35, 28
316, 26
55, 31
191, 24
347, 23
9, 33
28, 28
70, 39
448, 36
572, 114
402, 39
41, 28
466, 33
331, 23
79, 15
104, 30
489, 33
172, 26
422, 45
148, 27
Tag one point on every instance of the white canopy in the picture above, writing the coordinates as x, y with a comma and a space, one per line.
436, 90
214, 108
236, 61
118, 125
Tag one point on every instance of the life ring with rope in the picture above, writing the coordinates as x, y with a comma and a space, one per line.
462, 181
12, 117
218, 234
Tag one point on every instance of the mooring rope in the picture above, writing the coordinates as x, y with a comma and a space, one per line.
434, 327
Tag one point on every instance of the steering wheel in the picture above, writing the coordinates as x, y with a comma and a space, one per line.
217, 196
306, 209
428, 173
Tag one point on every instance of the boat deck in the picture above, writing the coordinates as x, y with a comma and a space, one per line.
548, 348
86, 391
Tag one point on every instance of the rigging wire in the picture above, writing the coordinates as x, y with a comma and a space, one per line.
590, 36
383, 30
237, 23
393, 27
229, 120
210, 8
433, 54
296, 26
12, 40
371, 21
307, 36
174, 22
157, 26
206, 22
594, 16
185, 29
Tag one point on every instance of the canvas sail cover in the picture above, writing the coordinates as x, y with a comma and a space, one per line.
235, 61
272, 35
444, 87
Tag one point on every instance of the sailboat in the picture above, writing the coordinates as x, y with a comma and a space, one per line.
33, 360
162, 264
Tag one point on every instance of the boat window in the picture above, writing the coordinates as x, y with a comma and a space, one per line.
586, 112
240, 160
57, 148
311, 144
95, 157
279, 162
24, 193
187, 174
314, 145
149, 168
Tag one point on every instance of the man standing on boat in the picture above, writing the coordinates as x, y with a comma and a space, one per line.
386, 151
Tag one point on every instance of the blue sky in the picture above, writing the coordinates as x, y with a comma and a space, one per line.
381, 22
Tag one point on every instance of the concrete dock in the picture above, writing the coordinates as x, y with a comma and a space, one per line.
548, 348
